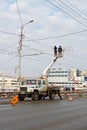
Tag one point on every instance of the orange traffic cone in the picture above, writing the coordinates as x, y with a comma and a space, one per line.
70, 98
14, 100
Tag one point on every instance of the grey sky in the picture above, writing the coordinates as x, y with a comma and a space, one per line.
49, 21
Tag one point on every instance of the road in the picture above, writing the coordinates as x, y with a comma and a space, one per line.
47, 115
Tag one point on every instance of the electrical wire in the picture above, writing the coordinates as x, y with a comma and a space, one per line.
9, 33
72, 9
35, 54
30, 39
7, 47
38, 59
8, 52
79, 11
7, 61
63, 35
52, 37
62, 9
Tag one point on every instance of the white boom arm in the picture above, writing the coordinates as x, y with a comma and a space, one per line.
45, 72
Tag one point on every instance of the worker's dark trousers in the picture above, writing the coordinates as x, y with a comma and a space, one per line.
59, 95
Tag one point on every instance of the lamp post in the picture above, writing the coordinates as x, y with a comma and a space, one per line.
19, 51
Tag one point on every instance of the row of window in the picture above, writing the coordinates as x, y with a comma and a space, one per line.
62, 83
58, 76
7, 81
58, 72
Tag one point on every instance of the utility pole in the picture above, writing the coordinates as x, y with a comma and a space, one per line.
19, 52
19, 56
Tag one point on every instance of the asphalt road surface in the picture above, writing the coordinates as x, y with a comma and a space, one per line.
46, 115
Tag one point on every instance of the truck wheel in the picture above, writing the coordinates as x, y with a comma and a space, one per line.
40, 97
52, 95
35, 96
21, 97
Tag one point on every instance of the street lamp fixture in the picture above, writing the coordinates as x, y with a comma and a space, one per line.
27, 23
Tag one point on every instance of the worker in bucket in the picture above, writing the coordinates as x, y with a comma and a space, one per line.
55, 51
60, 49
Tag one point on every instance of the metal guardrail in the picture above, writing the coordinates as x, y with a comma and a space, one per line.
8, 94
78, 93
75, 94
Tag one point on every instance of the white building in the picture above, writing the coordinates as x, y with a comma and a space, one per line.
8, 84
58, 76
65, 77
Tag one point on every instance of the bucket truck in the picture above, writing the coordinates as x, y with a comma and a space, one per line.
39, 88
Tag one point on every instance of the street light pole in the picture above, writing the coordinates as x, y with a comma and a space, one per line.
19, 52
19, 56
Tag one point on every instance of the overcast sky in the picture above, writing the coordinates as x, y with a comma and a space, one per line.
56, 22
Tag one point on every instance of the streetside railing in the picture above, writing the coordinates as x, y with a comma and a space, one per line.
65, 94
8, 94
75, 94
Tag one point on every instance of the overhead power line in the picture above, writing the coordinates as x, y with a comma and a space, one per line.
7, 61
63, 35
78, 10
5, 48
78, 15
8, 53
35, 54
58, 5
9, 33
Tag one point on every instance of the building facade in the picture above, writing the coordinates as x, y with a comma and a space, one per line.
8, 84
66, 77
58, 76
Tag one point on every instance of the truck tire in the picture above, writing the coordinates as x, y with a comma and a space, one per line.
21, 97
40, 97
52, 95
35, 96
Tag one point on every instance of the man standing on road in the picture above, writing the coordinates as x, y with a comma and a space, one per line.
59, 94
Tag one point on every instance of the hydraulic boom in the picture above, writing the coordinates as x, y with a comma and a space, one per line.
58, 54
